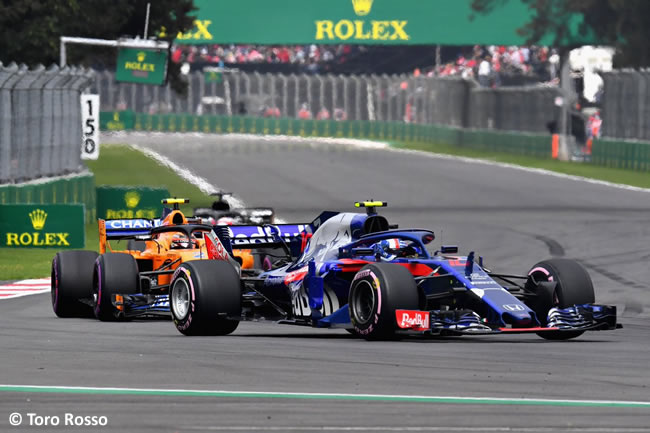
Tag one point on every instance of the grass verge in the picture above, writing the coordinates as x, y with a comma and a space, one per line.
117, 165
614, 175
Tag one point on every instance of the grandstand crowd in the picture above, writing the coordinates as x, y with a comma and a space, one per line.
487, 64
309, 55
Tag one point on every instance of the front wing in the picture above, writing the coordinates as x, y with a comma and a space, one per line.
587, 317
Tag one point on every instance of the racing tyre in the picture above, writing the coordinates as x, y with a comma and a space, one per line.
114, 273
379, 289
573, 287
72, 281
202, 295
135, 245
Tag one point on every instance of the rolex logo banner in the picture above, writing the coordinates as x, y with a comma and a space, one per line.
130, 202
414, 22
42, 226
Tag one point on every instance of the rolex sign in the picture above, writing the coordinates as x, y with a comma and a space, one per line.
122, 202
42, 226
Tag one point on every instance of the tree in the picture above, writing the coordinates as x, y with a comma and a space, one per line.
623, 24
30, 29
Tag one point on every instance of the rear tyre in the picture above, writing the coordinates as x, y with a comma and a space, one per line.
135, 245
202, 295
573, 287
72, 281
115, 273
378, 290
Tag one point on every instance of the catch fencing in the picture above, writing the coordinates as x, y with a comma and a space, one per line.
626, 104
445, 101
40, 121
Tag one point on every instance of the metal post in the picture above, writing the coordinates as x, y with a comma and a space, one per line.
62, 54
564, 124
146, 21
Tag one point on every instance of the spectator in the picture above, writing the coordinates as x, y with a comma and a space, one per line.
340, 114
304, 112
323, 114
271, 112
484, 72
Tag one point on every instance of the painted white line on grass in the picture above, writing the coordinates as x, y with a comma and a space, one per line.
202, 184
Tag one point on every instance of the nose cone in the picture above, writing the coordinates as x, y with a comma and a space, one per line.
518, 318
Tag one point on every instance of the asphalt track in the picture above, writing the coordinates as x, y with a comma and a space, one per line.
281, 378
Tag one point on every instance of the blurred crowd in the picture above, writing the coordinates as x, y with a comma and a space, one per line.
489, 64
307, 55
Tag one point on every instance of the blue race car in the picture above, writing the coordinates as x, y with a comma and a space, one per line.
356, 271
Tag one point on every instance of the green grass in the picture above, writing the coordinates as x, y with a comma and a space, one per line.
614, 175
117, 165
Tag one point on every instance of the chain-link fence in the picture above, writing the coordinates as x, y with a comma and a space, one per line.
626, 104
40, 121
446, 101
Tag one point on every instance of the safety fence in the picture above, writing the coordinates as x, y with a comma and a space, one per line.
79, 188
448, 101
626, 104
40, 121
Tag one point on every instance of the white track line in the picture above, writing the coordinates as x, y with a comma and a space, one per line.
424, 429
24, 288
521, 168
368, 144
202, 184
445, 399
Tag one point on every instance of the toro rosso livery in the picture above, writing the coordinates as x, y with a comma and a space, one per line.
355, 271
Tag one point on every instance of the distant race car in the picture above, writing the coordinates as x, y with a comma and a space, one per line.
220, 213
134, 282
355, 271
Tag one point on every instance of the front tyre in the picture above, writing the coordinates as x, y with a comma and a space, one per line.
573, 287
202, 295
377, 290
71, 282
115, 273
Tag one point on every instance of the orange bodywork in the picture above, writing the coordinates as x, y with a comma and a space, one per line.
167, 248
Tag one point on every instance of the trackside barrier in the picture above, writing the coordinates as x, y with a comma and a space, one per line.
72, 190
537, 145
625, 154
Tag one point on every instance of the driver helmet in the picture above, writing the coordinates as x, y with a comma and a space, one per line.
180, 241
387, 248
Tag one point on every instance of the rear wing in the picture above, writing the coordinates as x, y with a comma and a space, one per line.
295, 236
125, 229
130, 228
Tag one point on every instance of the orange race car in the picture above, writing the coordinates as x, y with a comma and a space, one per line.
134, 282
